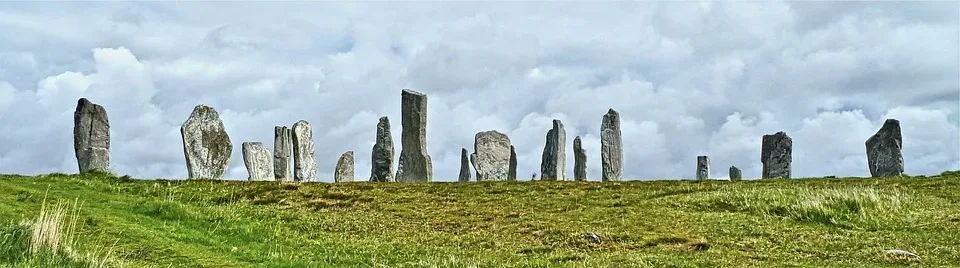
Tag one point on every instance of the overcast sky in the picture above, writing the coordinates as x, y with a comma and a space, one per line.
688, 79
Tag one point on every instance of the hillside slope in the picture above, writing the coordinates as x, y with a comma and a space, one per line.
772, 223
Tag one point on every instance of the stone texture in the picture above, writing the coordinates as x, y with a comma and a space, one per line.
579, 160
492, 156
464, 166
512, 171
381, 159
735, 174
344, 169
553, 162
884, 157
91, 137
473, 162
257, 159
611, 147
533, 177
304, 163
415, 164
703, 167
206, 145
282, 150
776, 155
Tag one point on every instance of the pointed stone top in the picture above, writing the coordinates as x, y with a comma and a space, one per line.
384, 119
83, 101
612, 111
410, 91
202, 109
889, 123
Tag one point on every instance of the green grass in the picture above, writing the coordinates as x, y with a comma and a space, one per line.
827, 222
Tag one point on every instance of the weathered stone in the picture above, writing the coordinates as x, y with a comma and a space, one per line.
91, 137
884, 157
464, 166
282, 150
579, 160
206, 145
257, 159
735, 174
381, 168
611, 147
492, 160
344, 170
304, 163
473, 162
512, 171
533, 177
703, 167
776, 155
591, 237
415, 164
553, 162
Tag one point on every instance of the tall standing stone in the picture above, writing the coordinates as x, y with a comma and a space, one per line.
512, 171
282, 149
776, 155
257, 159
735, 174
492, 156
553, 162
703, 167
344, 169
381, 168
91, 137
884, 157
464, 166
473, 162
206, 145
414, 164
304, 163
579, 160
611, 147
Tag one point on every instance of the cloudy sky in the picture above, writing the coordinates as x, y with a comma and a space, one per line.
689, 78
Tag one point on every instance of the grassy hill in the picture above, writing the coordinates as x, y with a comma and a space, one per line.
829, 222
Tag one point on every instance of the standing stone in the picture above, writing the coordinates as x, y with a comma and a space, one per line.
206, 145
611, 147
257, 159
304, 163
883, 151
344, 170
512, 172
492, 156
91, 137
735, 174
414, 164
533, 177
464, 166
703, 167
579, 160
776, 155
381, 168
473, 162
553, 162
282, 147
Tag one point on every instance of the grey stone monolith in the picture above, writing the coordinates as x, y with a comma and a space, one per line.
464, 166
735, 174
282, 150
381, 168
91, 137
776, 155
512, 171
258, 161
206, 145
703, 167
344, 169
553, 162
579, 160
884, 157
611, 147
414, 164
304, 160
492, 156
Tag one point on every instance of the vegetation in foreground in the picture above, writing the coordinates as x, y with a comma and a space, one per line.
826, 222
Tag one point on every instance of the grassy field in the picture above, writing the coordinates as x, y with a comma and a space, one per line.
106, 221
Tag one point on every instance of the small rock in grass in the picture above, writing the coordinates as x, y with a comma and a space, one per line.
592, 237
901, 254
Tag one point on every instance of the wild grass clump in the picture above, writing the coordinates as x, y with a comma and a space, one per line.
47, 241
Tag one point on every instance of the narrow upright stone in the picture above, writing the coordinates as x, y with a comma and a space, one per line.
91, 137
884, 157
206, 145
381, 168
344, 170
257, 158
735, 174
512, 172
464, 166
414, 164
282, 147
703, 167
611, 147
304, 163
579, 160
492, 160
776, 155
473, 162
553, 162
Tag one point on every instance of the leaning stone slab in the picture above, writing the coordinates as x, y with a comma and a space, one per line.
282, 150
579, 160
553, 162
884, 157
611, 147
381, 168
91, 137
735, 174
304, 163
344, 169
776, 155
257, 159
512, 171
703, 167
415, 164
492, 160
464, 166
206, 145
